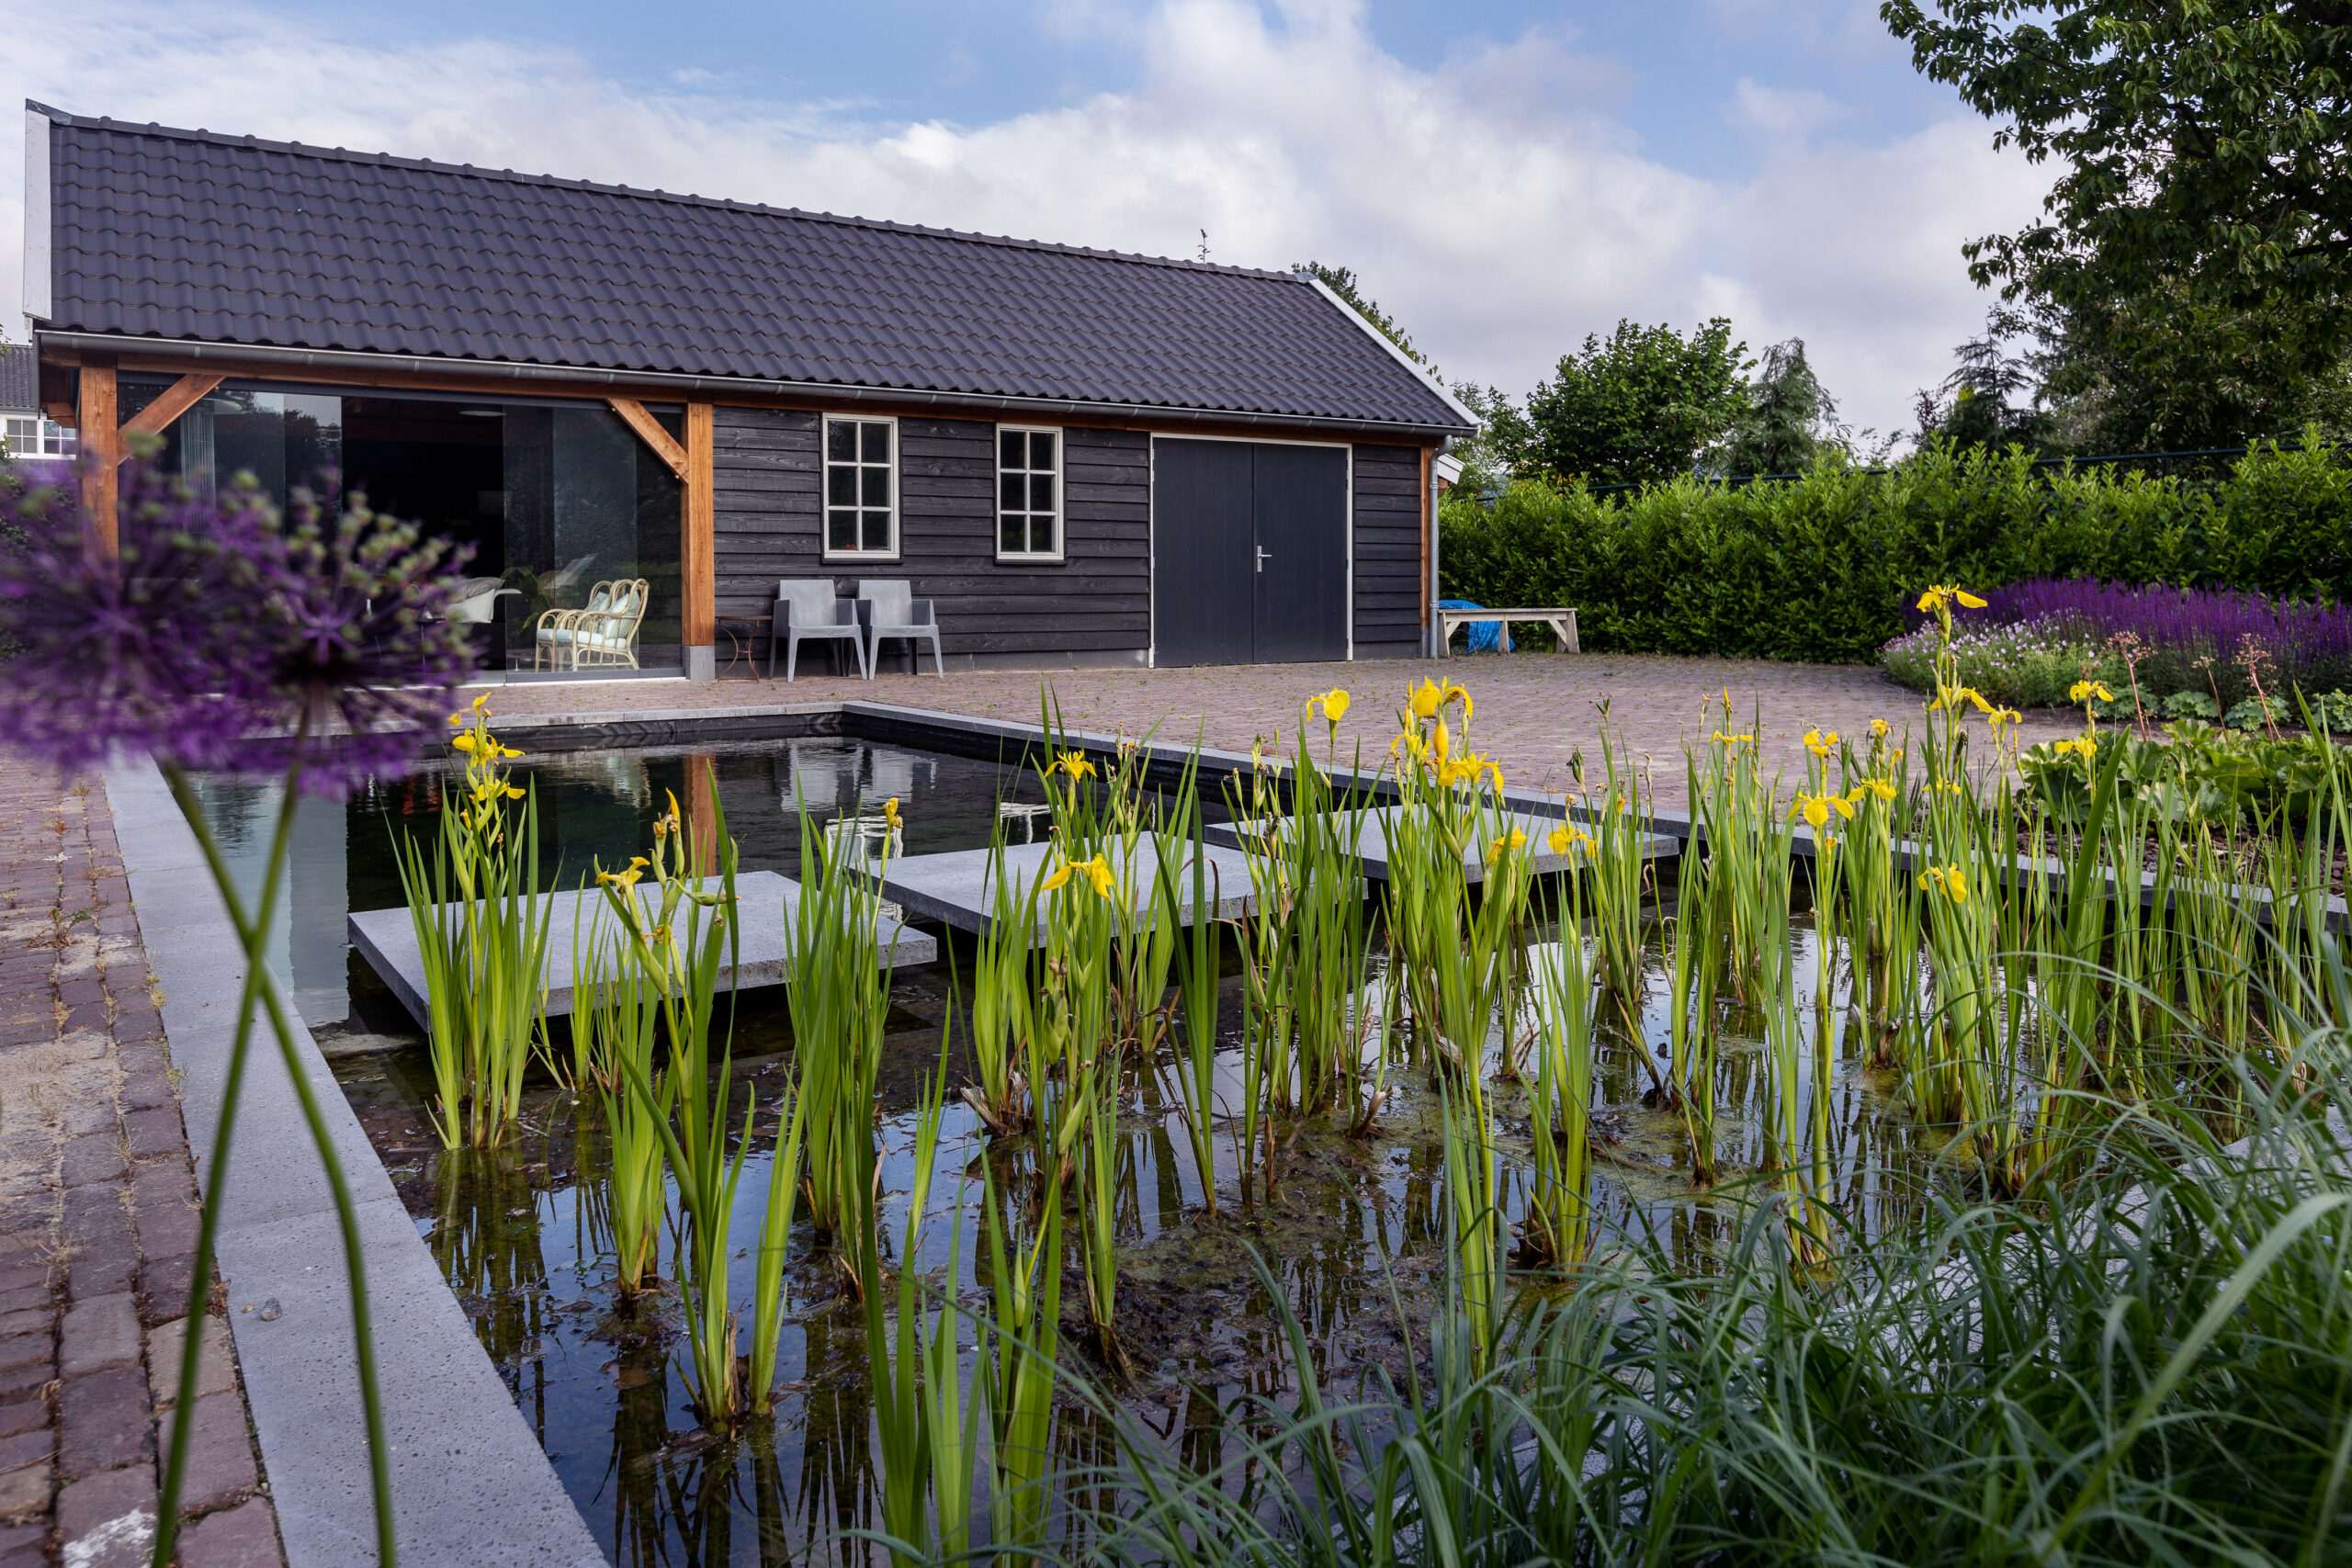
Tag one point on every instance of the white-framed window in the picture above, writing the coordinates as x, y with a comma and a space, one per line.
861, 486
1028, 493
31, 436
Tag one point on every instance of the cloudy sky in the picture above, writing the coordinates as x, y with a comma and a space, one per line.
1505, 177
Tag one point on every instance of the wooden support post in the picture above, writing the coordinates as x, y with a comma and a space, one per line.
102, 445
697, 581
701, 826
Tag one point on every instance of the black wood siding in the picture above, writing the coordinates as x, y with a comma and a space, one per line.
767, 475
1388, 551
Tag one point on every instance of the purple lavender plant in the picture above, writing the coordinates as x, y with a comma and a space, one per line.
219, 634
2312, 643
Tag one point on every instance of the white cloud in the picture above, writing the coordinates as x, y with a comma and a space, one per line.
1490, 201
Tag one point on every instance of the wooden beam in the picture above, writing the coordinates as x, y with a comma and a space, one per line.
178, 397
697, 585
649, 430
102, 444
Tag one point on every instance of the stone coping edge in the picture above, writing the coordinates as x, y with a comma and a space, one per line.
470, 1483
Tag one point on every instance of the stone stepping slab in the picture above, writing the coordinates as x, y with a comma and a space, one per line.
956, 888
1371, 842
387, 939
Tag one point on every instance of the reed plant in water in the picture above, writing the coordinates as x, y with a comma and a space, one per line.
482, 933
679, 947
616, 1017
837, 996
1193, 887
1557, 1227
1694, 958
999, 1018
1017, 1371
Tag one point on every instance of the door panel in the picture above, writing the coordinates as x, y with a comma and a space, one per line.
1201, 578
1301, 514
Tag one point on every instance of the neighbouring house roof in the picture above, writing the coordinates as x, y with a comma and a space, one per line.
19, 379
192, 236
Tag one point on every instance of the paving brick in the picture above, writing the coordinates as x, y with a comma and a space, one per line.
24, 1493
154, 1133
97, 1333
241, 1537
102, 1268
163, 1284
141, 1090
217, 1367
25, 1546
23, 1416
24, 1320
96, 1210
162, 1183
27, 1296
38, 1445
26, 1378
103, 1420
166, 1229
139, 1061
24, 1273
37, 1345
94, 1156
220, 1454
107, 1520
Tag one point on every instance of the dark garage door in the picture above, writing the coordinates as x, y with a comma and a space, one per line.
1249, 552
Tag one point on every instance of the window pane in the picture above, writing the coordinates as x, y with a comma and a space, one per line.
1011, 538
878, 441
840, 529
1008, 447
840, 438
878, 530
1041, 535
877, 486
840, 486
1009, 491
1041, 492
1041, 450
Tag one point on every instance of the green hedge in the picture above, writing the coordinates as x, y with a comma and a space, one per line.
1820, 568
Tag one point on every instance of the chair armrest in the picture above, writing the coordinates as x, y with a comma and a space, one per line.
924, 615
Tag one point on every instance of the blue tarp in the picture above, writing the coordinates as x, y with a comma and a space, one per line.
1486, 637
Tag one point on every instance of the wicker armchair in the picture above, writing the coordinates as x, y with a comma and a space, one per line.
606, 638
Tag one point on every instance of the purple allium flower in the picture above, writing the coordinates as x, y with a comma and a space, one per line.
220, 633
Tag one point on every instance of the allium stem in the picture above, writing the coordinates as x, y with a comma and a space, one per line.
249, 936
252, 935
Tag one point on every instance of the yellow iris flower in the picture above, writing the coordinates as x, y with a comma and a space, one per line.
891, 812
1878, 730
1334, 704
1820, 745
1075, 764
1568, 836
1881, 788
2084, 691
1426, 700
1514, 840
1932, 600
463, 742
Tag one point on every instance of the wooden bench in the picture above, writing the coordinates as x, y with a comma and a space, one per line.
1563, 622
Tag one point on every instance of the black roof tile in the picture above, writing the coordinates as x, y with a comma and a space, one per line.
192, 235
236, 241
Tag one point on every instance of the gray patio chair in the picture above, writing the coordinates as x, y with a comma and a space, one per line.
807, 609
890, 611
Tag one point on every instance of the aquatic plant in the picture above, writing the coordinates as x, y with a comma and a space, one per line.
837, 995
1558, 1225
220, 634
481, 933
1199, 965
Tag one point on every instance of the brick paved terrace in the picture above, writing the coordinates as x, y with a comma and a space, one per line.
1536, 711
98, 1220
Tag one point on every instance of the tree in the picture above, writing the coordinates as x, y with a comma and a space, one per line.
2191, 274
1790, 417
1503, 447
1990, 399
1639, 407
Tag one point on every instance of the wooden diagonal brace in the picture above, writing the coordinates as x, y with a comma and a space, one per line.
156, 417
649, 430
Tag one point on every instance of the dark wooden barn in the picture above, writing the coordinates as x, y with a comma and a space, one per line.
1082, 457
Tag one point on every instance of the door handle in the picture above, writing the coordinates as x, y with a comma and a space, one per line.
1263, 558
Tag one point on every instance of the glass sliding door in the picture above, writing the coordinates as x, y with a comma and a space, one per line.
572, 523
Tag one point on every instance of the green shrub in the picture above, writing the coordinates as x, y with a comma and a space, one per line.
2192, 705
1821, 567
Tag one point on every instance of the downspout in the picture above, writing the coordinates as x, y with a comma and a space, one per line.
1433, 636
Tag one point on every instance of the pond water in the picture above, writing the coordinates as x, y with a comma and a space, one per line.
1353, 1237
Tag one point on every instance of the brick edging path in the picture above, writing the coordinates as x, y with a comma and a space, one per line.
98, 1221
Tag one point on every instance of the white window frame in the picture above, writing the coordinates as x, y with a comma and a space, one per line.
1056, 555
49, 439
825, 464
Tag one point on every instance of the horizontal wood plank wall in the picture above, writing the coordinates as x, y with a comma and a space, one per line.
1388, 551
1098, 599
